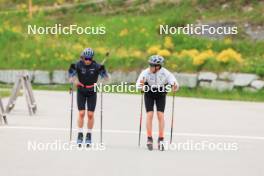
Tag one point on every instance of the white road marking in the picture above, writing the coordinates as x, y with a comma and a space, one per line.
136, 132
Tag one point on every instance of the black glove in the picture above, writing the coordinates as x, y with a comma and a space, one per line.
102, 68
72, 70
103, 72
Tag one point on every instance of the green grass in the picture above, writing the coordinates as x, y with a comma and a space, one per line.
236, 94
4, 93
21, 51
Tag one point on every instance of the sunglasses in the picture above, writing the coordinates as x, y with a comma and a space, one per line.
153, 65
88, 59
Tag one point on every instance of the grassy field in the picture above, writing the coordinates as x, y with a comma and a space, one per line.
132, 35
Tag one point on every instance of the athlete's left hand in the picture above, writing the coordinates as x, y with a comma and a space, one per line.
174, 88
106, 78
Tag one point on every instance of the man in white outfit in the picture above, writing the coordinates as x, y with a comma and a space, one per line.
155, 81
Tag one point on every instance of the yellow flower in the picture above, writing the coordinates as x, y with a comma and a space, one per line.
209, 53
68, 57
202, 57
123, 33
60, 1
124, 20
188, 53
229, 54
154, 49
121, 52
173, 66
53, 45
164, 53
21, 6
16, 29
37, 38
38, 52
77, 47
24, 55
168, 43
175, 54
101, 50
6, 25
136, 53
143, 30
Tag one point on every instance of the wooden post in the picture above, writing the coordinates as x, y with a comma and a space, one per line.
3, 119
22, 82
30, 8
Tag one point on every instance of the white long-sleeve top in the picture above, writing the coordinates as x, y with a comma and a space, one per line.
160, 78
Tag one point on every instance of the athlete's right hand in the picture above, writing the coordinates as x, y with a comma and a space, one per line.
142, 82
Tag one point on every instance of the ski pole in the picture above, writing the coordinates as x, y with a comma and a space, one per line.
101, 113
106, 54
101, 119
71, 92
172, 116
141, 112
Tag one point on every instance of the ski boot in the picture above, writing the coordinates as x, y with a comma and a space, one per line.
80, 139
88, 139
161, 144
150, 143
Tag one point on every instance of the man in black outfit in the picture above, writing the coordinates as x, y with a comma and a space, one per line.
84, 74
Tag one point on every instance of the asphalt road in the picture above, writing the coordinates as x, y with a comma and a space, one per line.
211, 138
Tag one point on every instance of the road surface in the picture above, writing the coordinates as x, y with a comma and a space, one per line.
238, 126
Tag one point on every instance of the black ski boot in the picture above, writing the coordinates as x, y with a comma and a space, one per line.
161, 144
150, 143
88, 139
80, 139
